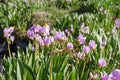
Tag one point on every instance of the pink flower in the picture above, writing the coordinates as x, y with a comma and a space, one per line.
72, 29
86, 49
104, 43
81, 39
8, 31
13, 54
46, 30
12, 38
60, 35
38, 29
115, 74
48, 40
102, 62
30, 34
105, 76
70, 46
117, 23
93, 76
92, 44
80, 56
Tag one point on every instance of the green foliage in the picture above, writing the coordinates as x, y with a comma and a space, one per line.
50, 63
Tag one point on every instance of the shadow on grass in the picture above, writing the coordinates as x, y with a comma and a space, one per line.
85, 8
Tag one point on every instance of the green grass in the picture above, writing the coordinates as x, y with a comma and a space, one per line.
50, 63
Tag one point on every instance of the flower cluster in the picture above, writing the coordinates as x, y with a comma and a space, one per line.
114, 75
8, 33
117, 23
81, 39
59, 35
40, 34
70, 46
102, 62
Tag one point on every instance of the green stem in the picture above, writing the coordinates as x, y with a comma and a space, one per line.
36, 49
9, 50
83, 70
51, 60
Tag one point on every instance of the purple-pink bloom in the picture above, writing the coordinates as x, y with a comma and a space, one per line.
12, 38
30, 34
82, 25
11, 29
13, 54
117, 22
115, 74
33, 48
92, 44
70, 46
81, 39
67, 31
93, 76
104, 43
38, 29
46, 30
8, 31
48, 40
86, 49
80, 56
105, 76
71, 29
102, 62
41, 42
32, 27
60, 35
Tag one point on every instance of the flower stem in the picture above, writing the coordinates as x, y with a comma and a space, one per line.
36, 49
83, 70
9, 50
51, 60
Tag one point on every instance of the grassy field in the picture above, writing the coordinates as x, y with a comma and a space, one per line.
60, 40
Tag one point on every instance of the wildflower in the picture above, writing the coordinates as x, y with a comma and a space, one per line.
80, 56
71, 29
117, 23
30, 34
86, 49
70, 46
115, 74
93, 76
46, 30
102, 62
81, 39
104, 43
8, 31
48, 40
13, 54
105, 76
12, 38
38, 29
67, 31
33, 48
41, 42
92, 44
60, 35
82, 25
32, 27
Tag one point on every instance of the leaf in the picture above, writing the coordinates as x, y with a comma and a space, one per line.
20, 70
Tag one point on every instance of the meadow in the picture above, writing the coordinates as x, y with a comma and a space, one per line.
59, 40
